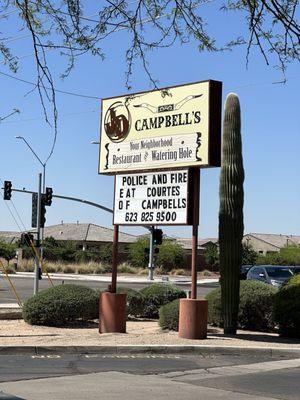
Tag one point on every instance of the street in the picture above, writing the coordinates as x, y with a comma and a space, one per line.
129, 376
24, 287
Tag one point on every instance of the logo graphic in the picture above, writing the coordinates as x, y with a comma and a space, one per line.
168, 107
117, 122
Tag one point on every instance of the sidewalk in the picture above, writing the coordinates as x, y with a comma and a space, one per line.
141, 336
178, 280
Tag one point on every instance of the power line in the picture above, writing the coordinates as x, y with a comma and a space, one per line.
48, 88
40, 118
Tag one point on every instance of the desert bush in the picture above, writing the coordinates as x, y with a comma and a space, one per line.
255, 309
169, 316
158, 295
206, 272
142, 271
125, 268
68, 269
179, 272
49, 268
287, 308
99, 269
26, 265
10, 269
61, 305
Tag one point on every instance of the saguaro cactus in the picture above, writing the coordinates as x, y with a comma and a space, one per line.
231, 222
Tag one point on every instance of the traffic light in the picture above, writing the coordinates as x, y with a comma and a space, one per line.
40, 274
43, 213
26, 239
157, 236
7, 190
34, 212
48, 196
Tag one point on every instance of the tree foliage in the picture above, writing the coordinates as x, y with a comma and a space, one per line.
137, 255
288, 255
170, 254
7, 250
66, 28
211, 255
249, 255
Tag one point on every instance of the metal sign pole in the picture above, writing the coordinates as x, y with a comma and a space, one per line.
196, 192
113, 288
151, 251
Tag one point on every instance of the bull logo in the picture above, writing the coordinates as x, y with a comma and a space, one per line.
117, 122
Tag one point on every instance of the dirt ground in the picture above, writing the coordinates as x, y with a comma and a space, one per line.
19, 333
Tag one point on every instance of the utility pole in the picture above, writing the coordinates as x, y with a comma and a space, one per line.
151, 252
37, 257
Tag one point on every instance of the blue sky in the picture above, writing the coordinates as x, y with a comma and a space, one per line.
270, 130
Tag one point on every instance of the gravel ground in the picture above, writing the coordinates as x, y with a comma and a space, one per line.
18, 333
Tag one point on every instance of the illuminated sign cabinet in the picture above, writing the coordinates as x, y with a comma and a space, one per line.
150, 140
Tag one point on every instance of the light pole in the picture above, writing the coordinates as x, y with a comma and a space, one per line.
40, 231
43, 164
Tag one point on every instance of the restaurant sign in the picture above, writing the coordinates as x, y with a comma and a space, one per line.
162, 129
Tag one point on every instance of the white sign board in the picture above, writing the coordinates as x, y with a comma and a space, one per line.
158, 198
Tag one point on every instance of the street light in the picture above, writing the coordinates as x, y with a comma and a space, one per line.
95, 142
43, 164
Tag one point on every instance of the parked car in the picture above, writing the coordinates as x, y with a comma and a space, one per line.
295, 269
244, 271
274, 275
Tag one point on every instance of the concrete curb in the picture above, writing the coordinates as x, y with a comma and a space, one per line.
150, 349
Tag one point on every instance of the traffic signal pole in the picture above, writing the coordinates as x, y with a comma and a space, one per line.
151, 252
37, 258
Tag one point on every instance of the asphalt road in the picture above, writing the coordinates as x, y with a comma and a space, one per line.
132, 377
24, 287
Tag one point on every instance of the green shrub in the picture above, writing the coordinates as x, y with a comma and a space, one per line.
255, 309
214, 307
60, 305
158, 295
135, 301
169, 316
287, 308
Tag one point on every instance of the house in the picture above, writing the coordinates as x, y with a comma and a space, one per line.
186, 243
264, 243
85, 236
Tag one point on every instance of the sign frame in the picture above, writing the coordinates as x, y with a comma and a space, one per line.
189, 196
214, 129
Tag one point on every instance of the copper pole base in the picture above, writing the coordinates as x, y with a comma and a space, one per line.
112, 312
193, 318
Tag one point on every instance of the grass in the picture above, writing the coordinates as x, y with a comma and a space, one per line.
101, 268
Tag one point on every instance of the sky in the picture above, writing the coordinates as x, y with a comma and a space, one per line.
270, 130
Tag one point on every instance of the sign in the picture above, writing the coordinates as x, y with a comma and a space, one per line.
159, 198
168, 128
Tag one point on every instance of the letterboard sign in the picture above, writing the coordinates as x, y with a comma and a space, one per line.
159, 198
175, 127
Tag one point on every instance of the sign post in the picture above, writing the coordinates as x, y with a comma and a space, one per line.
115, 259
155, 144
196, 193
